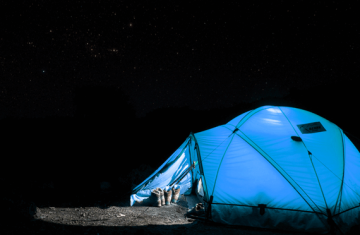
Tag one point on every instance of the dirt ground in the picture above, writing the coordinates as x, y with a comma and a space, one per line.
106, 213
119, 218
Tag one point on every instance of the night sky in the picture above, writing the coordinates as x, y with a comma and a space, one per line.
160, 54
86, 86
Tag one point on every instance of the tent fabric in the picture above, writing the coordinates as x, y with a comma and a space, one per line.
169, 172
272, 218
271, 167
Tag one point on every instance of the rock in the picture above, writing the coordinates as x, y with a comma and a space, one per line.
52, 208
197, 210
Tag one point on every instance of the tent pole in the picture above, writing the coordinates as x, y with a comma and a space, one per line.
208, 212
183, 174
200, 165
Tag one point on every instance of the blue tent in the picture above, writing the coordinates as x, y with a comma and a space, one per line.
272, 167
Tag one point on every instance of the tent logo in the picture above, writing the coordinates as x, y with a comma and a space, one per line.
311, 128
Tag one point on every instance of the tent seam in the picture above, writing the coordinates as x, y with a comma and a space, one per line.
218, 203
342, 134
252, 113
200, 163
291, 124
309, 157
343, 178
279, 172
342, 186
282, 174
219, 144
192, 172
346, 210
217, 173
318, 181
326, 166
244, 117
344, 172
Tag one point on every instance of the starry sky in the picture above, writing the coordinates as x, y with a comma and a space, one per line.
160, 54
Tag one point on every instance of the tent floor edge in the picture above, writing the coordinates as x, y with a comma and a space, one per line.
197, 217
208, 212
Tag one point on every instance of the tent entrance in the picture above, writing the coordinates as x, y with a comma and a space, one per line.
181, 168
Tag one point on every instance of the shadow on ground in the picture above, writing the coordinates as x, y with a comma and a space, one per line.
111, 216
41, 227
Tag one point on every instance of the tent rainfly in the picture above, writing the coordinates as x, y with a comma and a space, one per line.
271, 167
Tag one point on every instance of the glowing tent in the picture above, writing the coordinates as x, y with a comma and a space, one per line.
272, 167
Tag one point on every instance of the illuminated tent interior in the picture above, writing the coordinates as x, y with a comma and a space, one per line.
271, 167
